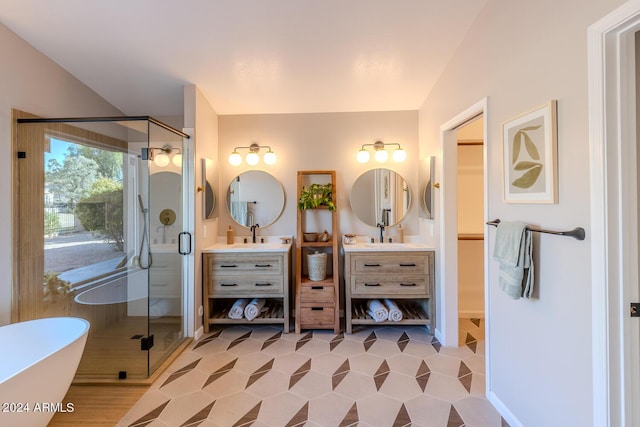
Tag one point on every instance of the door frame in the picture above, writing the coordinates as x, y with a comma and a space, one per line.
614, 217
447, 332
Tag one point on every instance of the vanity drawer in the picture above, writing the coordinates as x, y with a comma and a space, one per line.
390, 284
388, 263
317, 293
316, 316
246, 285
242, 265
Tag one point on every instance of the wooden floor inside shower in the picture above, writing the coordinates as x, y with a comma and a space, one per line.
117, 348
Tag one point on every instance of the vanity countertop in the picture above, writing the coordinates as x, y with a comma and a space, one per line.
247, 247
386, 247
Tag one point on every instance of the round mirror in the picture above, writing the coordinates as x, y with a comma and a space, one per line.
255, 197
380, 196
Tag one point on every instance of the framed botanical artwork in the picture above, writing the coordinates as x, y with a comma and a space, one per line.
530, 165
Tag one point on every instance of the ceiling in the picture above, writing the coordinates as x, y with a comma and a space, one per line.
249, 56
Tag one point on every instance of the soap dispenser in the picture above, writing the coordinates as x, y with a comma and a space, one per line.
230, 236
400, 238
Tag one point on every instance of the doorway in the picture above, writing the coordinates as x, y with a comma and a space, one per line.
470, 164
614, 161
448, 322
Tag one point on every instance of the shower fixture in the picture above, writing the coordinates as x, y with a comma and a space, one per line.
145, 236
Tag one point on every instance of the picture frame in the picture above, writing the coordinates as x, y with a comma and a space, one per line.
530, 165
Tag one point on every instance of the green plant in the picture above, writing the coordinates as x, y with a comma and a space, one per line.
317, 195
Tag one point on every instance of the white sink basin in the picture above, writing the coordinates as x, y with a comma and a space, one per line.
253, 246
387, 247
242, 247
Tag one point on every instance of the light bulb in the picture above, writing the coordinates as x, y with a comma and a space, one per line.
177, 160
269, 157
235, 158
252, 158
399, 155
363, 155
161, 160
381, 156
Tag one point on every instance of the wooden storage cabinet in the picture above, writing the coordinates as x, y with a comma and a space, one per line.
405, 277
252, 274
317, 302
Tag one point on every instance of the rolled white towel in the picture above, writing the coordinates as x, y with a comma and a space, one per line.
254, 308
237, 309
377, 310
395, 315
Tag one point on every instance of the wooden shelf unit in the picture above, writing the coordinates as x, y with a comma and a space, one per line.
317, 303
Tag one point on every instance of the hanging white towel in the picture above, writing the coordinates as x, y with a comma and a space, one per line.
512, 250
237, 309
395, 315
377, 310
254, 308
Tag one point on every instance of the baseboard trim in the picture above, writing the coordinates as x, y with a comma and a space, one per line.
198, 333
502, 409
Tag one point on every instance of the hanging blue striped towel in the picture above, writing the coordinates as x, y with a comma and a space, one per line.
512, 250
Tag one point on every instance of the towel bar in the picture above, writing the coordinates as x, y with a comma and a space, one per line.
576, 233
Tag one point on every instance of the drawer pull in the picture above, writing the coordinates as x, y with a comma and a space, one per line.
372, 284
372, 265
228, 284
317, 288
408, 265
317, 308
263, 265
408, 284
263, 284
228, 266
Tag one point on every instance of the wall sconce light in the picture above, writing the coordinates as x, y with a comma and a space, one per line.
252, 157
380, 154
162, 155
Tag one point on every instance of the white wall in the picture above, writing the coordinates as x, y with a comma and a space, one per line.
521, 55
31, 82
202, 118
323, 141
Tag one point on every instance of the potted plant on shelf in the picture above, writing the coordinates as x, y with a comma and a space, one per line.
315, 196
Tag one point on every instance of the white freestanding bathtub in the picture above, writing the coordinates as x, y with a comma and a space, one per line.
38, 361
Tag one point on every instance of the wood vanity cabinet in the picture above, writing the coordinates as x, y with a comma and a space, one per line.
252, 274
403, 276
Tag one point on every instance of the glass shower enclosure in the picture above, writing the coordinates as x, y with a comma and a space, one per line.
102, 236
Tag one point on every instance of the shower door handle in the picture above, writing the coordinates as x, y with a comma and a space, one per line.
180, 240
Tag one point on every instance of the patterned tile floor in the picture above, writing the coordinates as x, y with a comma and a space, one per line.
381, 376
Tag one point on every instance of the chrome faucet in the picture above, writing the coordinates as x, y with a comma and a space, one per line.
253, 232
381, 226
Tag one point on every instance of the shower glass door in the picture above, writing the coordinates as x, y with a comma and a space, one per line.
96, 231
168, 243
